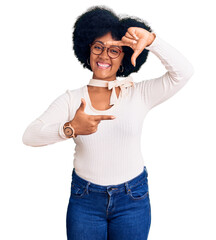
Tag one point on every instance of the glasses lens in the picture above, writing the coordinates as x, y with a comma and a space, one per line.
97, 48
114, 52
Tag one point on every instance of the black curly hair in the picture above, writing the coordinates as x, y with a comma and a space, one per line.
98, 21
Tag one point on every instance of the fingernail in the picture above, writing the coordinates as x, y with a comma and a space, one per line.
113, 117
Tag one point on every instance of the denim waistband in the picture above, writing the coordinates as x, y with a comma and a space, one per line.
119, 187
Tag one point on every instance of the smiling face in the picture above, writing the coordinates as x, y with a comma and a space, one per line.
104, 67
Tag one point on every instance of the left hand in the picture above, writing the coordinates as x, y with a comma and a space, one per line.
137, 38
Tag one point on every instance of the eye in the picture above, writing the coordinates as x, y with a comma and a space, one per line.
97, 47
114, 50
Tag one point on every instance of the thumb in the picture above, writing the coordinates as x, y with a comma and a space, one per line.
134, 56
82, 105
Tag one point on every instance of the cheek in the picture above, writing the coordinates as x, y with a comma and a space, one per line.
117, 63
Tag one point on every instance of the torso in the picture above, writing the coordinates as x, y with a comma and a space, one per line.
101, 100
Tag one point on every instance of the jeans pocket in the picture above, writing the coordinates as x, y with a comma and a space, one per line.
77, 191
139, 191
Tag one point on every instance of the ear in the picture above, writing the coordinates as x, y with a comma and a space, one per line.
121, 68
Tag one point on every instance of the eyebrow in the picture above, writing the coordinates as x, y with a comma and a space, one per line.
99, 42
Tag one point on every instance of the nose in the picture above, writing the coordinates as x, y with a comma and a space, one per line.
104, 54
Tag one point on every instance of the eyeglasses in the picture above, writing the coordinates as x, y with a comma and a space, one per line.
97, 48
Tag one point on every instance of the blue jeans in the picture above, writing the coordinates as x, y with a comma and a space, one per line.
114, 212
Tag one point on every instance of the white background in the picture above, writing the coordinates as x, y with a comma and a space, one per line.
178, 142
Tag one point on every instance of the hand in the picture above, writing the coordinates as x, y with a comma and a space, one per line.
85, 124
136, 38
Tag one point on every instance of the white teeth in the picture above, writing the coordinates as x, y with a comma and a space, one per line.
103, 65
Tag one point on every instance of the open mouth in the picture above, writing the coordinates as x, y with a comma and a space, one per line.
103, 65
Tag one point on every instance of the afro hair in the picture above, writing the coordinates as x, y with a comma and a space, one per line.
98, 21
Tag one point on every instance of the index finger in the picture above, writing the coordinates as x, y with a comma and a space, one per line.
103, 117
115, 43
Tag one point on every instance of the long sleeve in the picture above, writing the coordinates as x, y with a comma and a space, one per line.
179, 71
48, 128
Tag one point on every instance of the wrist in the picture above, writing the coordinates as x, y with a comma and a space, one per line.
151, 38
69, 130
74, 127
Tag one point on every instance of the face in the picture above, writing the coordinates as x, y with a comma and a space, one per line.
104, 67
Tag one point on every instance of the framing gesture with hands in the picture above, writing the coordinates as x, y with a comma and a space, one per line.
136, 38
109, 176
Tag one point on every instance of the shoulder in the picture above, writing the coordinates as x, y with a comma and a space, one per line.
74, 97
74, 93
138, 85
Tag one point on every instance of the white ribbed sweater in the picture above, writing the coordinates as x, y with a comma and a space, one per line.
112, 155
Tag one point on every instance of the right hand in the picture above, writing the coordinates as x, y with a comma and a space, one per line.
136, 38
85, 124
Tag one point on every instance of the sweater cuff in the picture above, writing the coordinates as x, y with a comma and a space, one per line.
61, 131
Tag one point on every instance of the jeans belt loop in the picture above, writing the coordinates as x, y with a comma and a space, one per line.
87, 191
127, 188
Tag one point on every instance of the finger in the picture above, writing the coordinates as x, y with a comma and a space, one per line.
134, 56
124, 42
103, 117
142, 43
114, 43
83, 104
98, 121
128, 35
132, 32
128, 42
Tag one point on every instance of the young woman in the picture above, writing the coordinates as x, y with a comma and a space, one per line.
109, 189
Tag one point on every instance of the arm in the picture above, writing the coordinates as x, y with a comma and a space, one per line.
48, 128
179, 71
